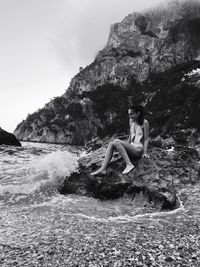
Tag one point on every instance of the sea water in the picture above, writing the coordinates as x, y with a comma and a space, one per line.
30, 179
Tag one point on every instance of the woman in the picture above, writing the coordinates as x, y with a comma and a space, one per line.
135, 147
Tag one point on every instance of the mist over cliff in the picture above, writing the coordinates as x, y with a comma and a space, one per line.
150, 58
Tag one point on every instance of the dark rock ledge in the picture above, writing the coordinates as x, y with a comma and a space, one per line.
157, 179
7, 138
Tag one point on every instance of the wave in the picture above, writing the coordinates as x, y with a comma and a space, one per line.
55, 167
41, 177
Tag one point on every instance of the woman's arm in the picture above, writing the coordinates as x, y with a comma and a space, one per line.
130, 125
146, 139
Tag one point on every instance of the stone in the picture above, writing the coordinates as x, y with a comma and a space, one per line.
152, 180
7, 138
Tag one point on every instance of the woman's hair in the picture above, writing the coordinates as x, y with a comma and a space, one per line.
138, 108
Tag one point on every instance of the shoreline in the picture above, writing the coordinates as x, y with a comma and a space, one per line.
50, 236
51, 143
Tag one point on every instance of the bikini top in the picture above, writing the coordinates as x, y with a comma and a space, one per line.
137, 134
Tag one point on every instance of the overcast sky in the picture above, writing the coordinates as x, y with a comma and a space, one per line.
44, 42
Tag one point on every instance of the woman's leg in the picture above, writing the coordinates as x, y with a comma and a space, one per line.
126, 149
132, 151
108, 157
122, 151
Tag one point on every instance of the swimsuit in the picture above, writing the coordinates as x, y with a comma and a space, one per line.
137, 135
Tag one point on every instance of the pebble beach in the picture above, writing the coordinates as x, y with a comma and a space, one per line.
49, 236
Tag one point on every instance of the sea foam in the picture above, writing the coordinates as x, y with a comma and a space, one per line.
55, 166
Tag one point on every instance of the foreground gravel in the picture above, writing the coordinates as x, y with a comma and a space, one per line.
53, 237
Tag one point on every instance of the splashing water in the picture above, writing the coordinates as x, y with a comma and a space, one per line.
193, 72
55, 167
34, 170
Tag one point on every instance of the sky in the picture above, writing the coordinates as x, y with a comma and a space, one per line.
44, 42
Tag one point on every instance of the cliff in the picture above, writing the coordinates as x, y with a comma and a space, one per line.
148, 59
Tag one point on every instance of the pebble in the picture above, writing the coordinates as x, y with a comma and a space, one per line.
169, 259
171, 246
180, 246
40, 257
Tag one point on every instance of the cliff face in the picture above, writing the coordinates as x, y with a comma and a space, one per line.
147, 60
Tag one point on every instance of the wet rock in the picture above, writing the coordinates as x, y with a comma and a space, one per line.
156, 178
7, 138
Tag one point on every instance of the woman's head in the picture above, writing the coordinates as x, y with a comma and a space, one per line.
136, 113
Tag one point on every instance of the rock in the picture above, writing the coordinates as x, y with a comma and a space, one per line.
93, 144
7, 138
152, 180
148, 57
169, 259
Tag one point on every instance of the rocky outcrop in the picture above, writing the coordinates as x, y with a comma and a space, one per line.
146, 59
8, 138
156, 178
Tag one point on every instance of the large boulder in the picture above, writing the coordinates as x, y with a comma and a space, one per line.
8, 138
156, 178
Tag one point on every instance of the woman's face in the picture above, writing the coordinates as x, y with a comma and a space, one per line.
132, 114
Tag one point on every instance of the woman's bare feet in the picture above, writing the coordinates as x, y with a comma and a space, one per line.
128, 168
100, 171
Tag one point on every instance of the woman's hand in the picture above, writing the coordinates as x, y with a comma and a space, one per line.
146, 156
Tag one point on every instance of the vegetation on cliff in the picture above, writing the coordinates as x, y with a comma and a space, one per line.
146, 60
